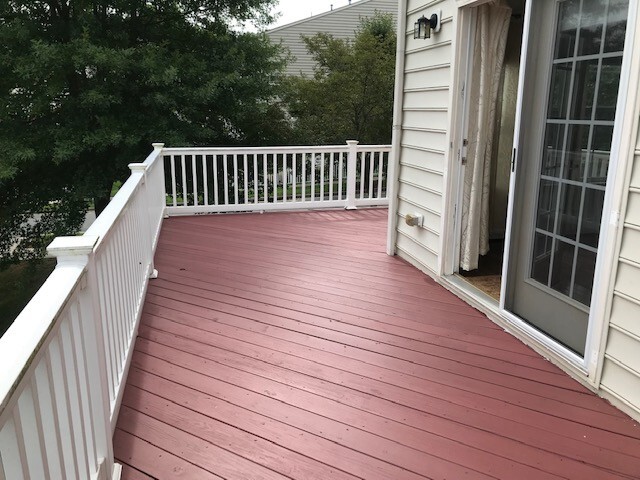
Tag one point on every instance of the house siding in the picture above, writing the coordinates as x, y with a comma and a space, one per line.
423, 138
621, 370
341, 23
423, 158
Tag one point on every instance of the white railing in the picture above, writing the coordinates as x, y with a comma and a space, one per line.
215, 180
65, 358
595, 162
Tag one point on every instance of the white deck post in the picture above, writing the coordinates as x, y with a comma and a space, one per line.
78, 251
142, 167
352, 160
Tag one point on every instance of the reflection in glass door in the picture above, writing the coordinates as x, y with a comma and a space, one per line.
579, 127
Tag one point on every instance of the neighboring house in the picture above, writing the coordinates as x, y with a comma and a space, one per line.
340, 22
539, 156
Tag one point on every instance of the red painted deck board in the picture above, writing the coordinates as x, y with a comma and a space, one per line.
289, 345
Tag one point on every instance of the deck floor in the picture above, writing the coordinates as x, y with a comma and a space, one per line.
288, 345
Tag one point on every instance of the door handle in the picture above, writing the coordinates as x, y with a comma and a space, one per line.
513, 161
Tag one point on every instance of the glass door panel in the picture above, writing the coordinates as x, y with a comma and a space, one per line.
581, 110
564, 164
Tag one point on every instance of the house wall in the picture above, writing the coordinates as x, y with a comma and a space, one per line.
424, 152
423, 136
341, 23
621, 370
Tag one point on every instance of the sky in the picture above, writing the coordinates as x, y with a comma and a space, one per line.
293, 10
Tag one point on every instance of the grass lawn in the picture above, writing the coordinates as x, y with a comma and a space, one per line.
18, 284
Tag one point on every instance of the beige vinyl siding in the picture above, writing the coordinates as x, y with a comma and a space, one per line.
423, 144
340, 22
621, 370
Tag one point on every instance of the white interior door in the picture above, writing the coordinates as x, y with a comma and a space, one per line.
569, 95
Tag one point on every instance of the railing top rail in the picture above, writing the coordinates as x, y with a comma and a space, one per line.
252, 150
151, 158
375, 147
105, 221
270, 150
118, 204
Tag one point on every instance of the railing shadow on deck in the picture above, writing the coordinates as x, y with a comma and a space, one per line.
66, 356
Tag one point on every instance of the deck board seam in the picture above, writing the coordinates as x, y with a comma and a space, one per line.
523, 377
176, 277
343, 327
441, 306
328, 380
296, 264
285, 423
159, 290
323, 332
423, 379
373, 433
230, 425
170, 453
342, 423
313, 279
525, 351
192, 434
328, 398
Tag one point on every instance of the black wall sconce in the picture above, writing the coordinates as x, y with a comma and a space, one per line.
422, 28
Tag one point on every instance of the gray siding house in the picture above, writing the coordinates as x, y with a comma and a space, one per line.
339, 22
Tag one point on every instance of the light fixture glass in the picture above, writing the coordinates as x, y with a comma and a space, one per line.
422, 28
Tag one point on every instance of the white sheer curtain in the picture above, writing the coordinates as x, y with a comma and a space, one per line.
492, 27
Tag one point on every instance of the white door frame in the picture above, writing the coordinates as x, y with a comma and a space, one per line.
454, 170
621, 158
461, 152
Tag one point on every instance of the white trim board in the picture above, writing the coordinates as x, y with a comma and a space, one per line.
396, 140
627, 120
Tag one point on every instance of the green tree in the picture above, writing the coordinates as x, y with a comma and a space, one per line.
351, 93
87, 85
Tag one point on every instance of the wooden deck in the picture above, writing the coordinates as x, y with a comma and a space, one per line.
289, 345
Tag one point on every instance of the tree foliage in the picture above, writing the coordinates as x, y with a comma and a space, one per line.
87, 85
351, 93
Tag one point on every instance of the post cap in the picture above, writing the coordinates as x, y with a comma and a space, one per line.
352, 142
137, 167
72, 246
157, 145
